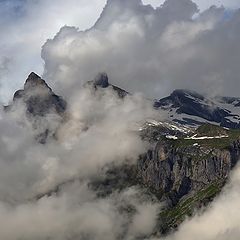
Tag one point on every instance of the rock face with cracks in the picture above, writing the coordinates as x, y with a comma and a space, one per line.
188, 172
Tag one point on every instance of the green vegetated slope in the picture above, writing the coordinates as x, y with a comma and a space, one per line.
170, 218
212, 131
205, 148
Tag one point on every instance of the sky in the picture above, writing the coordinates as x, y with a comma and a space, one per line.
27, 24
148, 51
203, 4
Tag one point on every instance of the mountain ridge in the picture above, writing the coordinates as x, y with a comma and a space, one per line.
191, 108
182, 106
186, 164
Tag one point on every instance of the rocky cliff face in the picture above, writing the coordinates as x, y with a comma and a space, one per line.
187, 172
183, 171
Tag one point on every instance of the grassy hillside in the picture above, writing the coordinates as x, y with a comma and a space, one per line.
213, 132
172, 217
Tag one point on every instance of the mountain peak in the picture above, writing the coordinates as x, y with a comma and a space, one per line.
186, 93
35, 81
39, 97
33, 76
39, 100
191, 108
101, 80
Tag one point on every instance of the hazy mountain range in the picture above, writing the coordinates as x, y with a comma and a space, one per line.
190, 153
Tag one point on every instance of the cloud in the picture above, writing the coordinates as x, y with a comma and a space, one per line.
203, 4
74, 214
155, 51
25, 26
150, 50
93, 136
4, 66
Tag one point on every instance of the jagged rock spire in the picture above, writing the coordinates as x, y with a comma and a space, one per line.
34, 81
39, 97
39, 100
33, 76
101, 80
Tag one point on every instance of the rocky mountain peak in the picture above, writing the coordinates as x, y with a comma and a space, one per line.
191, 108
35, 81
101, 80
39, 101
183, 93
33, 76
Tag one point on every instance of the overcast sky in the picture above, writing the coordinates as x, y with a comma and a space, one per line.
26, 24
203, 4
